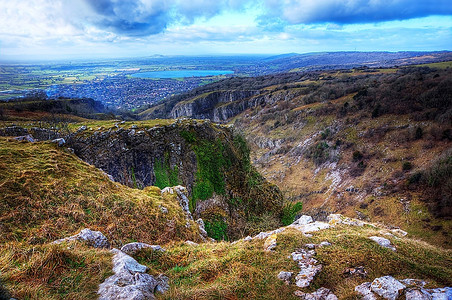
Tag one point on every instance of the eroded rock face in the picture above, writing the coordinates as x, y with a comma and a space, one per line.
130, 280
93, 238
217, 106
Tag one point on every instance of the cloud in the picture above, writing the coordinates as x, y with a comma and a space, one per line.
354, 11
147, 17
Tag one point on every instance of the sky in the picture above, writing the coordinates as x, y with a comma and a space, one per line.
62, 29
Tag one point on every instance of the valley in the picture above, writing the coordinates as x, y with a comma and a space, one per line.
315, 183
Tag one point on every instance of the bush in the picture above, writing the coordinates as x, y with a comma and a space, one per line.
406, 166
290, 211
217, 228
357, 155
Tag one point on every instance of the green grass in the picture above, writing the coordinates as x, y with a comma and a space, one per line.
245, 270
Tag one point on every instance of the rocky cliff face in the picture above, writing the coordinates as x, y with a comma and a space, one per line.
217, 106
208, 159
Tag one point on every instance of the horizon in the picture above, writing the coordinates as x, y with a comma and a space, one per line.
49, 30
43, 60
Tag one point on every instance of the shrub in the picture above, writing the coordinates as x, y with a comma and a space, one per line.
406, 166
357, 155
290, 211
217, 228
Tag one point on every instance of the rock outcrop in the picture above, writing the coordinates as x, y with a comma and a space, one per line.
387, 287
217, 106
130, 280
132, 248
93, 238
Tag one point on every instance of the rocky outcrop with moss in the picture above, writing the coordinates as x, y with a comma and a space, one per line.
224, 189
208, 159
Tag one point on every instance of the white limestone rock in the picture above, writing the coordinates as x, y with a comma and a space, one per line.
129, 281
285, 276
132, 248
383, 242
417, 294
387, 287
93, 238
365, 291
303, 220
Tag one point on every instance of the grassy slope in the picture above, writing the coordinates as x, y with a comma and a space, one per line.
47, 194
384, 154
245, 270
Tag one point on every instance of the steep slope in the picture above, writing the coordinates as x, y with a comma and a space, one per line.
213, 163
47, 193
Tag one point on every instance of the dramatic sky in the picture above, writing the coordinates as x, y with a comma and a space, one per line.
52, 29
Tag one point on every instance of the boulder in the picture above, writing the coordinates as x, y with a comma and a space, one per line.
26, 138
132, 248
130, 280
303, 220
387, 287
60, 142
93, 238
365, 291
383, 242
285, 276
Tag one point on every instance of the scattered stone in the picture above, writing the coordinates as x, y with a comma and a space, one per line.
285, 276
324, 244
399, 232
417, 294
320, 294
365, 291
132, 248
60, 142
311, 227
134, 126
358, 271
81, 128
93, 238
27, 138
310, 246
335, 219
308, 267
303, 220
387, 287
248, 238
190, 243
383, 242
163, 209
270, 242
130, 280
